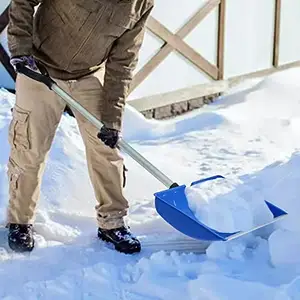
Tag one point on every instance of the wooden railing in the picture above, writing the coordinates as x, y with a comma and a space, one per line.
216, 72
176, 42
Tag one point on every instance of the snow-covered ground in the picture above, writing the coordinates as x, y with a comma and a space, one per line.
251, 135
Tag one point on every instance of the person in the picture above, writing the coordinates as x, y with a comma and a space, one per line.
90, 48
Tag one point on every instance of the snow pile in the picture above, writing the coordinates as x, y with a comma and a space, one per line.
228, 205
136, 127
279, 182
284, 247
250, 136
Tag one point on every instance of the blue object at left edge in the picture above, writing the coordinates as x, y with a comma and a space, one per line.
172, 206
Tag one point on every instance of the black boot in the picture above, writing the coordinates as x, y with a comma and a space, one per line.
121, 238
20, 237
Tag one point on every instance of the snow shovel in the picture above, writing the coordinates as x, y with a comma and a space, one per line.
171, 204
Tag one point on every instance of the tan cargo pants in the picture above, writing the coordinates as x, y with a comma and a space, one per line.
36, 115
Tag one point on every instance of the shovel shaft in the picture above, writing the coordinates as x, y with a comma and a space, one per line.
124, 146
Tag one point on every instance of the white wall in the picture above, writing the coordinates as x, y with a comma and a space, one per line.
249, 31
290, 36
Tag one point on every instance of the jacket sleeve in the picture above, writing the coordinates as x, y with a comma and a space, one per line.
121, 62
19, 32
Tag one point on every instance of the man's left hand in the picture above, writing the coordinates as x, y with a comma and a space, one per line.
27, 60
109, 137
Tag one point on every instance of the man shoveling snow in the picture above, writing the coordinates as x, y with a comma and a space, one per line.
91, 50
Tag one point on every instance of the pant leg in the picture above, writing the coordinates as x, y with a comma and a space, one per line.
36, 115
105, 165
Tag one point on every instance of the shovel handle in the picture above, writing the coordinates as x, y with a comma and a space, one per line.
44, 77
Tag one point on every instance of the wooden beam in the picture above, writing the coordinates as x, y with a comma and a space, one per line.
277, 33
221, 39
183, 48
154, 62
177, 96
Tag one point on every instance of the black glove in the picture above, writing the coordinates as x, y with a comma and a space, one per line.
27, 60
109, 137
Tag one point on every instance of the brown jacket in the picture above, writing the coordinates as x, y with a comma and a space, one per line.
73, 37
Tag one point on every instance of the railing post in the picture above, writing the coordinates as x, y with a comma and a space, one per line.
221, 39
277, 33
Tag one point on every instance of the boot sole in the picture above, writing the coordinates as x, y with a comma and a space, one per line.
135, 249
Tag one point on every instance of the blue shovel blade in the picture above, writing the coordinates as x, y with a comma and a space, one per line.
172, 206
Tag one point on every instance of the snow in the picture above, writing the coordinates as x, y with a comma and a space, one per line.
250, 136
228, 205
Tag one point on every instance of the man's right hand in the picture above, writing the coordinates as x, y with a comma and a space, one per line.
109, 137
26, 60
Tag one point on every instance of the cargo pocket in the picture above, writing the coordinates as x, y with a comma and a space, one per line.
19, 129
13, 174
